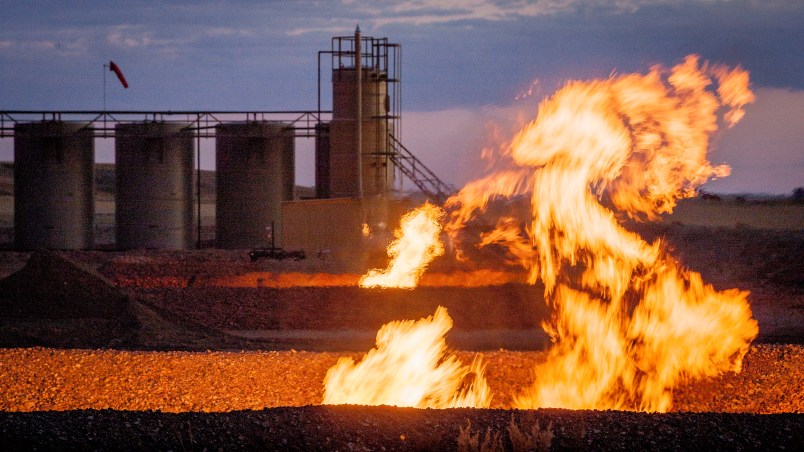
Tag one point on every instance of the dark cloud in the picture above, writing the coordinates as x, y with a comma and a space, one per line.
263, 54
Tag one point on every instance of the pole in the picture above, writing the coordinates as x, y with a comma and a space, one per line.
198, 177
359, 75
104, 86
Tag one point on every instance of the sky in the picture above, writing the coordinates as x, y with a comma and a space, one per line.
465, 65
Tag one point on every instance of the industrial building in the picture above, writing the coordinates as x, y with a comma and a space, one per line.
359, 163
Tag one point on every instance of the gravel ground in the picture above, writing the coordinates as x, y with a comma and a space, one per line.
74, 397
104, 399
37, 379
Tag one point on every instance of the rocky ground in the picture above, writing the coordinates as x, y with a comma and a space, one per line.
107, 399
390, 428
45, 379
139, 350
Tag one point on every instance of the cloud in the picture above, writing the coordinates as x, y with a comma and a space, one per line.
228, 32
340, 19
428, 12
60, 45
333, 30
119, 39
137, 36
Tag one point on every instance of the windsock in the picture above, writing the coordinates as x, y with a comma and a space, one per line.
114, 68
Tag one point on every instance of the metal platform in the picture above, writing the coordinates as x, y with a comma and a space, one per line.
203, 123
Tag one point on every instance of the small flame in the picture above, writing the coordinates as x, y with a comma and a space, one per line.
409, 367
533, 88
416, 245
365, 230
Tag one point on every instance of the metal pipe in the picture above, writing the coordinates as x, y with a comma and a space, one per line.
359, 75
198, 177
319, 86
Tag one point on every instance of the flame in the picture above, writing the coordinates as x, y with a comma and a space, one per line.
629, 322
417, 244
409, 367
534, 87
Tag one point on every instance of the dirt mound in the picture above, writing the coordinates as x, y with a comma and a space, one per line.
512, 306
55, 301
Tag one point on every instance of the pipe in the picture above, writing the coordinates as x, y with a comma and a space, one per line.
359, 74
198, 178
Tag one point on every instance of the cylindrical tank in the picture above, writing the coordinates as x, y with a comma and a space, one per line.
322, 174
255, 172
377, 168
154, 197
54, 193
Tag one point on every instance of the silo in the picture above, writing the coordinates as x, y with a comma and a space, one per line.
53, 185
154, 197
255, 172
377, 169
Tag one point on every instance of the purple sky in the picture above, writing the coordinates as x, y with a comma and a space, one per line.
463, 65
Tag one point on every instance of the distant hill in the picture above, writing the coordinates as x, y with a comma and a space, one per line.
105, 182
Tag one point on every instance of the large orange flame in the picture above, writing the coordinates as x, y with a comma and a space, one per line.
416, 245
409, 367
630, 324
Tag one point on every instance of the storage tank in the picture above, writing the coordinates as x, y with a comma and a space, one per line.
377, 168
154, 197
53, 185
254, 172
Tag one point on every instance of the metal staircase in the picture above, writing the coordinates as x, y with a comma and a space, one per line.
413, 168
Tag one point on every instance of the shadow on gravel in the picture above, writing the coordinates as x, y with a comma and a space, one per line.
380, 428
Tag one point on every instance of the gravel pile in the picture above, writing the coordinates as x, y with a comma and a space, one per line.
58, 302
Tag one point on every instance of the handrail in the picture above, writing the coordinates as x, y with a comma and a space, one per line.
103, 122
418, 173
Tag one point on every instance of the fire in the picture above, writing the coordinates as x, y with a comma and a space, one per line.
629, 323
417, 244
409, 367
